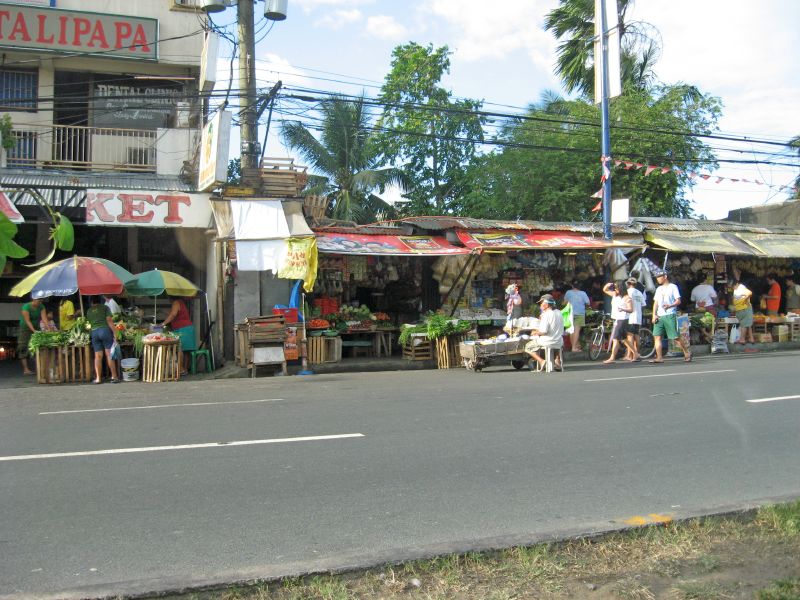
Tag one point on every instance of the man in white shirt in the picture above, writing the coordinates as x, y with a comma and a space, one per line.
550, 333
666, 301
704, 297
112, 305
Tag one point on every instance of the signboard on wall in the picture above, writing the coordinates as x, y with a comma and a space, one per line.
72, 31
214, 149
133, 107
138, 208
50, 3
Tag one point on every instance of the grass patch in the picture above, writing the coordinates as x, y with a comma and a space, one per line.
707, 590
781, 518
786, 589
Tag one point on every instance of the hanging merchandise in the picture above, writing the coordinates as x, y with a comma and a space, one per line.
300, 261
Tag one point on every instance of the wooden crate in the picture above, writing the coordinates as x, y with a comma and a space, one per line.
315, 207
281, 178
448, 354
242, 344
316, 350
422, 350
160, 361
69, 364
268, 329
794, 331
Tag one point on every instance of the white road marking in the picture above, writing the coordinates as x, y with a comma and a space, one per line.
676, 374
315, 438
775, 399
90, 410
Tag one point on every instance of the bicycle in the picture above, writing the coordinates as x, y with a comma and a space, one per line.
600, 339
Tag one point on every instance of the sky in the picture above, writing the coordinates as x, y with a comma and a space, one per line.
741, 51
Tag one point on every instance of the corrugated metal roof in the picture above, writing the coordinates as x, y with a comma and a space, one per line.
667, 224
72, 179
442, 223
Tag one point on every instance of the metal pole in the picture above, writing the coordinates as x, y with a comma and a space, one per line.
247, 89
604, 124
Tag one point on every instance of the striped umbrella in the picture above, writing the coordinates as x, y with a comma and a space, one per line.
80, 274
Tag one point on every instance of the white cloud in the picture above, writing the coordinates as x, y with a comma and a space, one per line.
271, 67
485, 30
310, 5
339, 18
386, 28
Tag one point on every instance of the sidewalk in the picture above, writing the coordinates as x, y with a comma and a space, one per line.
11, 372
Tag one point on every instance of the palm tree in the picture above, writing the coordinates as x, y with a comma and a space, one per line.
573, 24
346, 160
795, 143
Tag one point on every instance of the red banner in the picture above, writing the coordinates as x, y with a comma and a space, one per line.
397, 245
535, 240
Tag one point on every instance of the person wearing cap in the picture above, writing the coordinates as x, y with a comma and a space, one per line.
513, 302
666, 301
634, 319
550, 333
704, 296
621, 308
579, 301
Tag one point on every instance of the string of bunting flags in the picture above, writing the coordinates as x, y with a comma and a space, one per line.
651, 169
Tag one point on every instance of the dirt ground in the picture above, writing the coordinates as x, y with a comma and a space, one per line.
752, 555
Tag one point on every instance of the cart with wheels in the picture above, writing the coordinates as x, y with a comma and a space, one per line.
479, 354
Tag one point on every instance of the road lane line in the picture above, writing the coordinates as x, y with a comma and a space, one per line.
775, 399
315, 438
89, 410
676, 374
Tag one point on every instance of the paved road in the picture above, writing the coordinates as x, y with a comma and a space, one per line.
135, 488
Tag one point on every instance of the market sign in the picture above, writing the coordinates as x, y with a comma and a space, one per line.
387, 245
214, 149
71, 31
702, 242
137, 208
133, 107
537, 240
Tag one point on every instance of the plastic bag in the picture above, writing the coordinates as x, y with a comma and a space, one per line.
116, 351
734, 335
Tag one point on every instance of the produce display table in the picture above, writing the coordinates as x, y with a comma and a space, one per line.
65, 364
160, 361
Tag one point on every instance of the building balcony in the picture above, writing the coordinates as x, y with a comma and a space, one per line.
80, 148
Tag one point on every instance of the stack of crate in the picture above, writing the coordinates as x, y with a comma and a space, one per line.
281, 178
265, 338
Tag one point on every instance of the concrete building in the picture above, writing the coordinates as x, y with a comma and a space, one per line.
106, 105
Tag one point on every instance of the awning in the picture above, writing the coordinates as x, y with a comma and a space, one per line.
773, 245
702, 242
386, 245
538, 240
256, 219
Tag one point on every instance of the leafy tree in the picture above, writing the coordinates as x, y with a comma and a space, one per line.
234, 171
424, 131
555, 169
347, 160
572, 22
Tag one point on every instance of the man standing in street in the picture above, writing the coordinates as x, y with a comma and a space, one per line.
29, 319
579, 301
666, 301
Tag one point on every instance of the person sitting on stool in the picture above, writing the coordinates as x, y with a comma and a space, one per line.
550, 333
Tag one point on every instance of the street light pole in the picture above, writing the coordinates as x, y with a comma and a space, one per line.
605, 144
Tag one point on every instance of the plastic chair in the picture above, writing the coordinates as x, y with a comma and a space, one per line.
203, 353
549, 359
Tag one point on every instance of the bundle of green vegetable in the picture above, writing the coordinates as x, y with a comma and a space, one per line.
435, 327
47, 339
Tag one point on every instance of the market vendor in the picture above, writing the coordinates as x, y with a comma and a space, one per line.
180, 321
704, 296
67, 314
773, 296
792, 295
550, 333
30, 315
513, 302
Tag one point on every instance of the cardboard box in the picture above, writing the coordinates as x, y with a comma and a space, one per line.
763, 338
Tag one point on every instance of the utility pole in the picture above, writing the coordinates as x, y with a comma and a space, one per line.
250, 150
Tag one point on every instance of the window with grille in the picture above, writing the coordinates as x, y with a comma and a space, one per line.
18, 89
23, 154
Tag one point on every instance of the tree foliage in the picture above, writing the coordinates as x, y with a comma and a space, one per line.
424, 131
572, 23
346, 161
552, 165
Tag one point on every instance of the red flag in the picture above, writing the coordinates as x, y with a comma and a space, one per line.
598, 206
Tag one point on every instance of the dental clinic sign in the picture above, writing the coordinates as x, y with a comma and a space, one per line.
69, 31
138, 208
